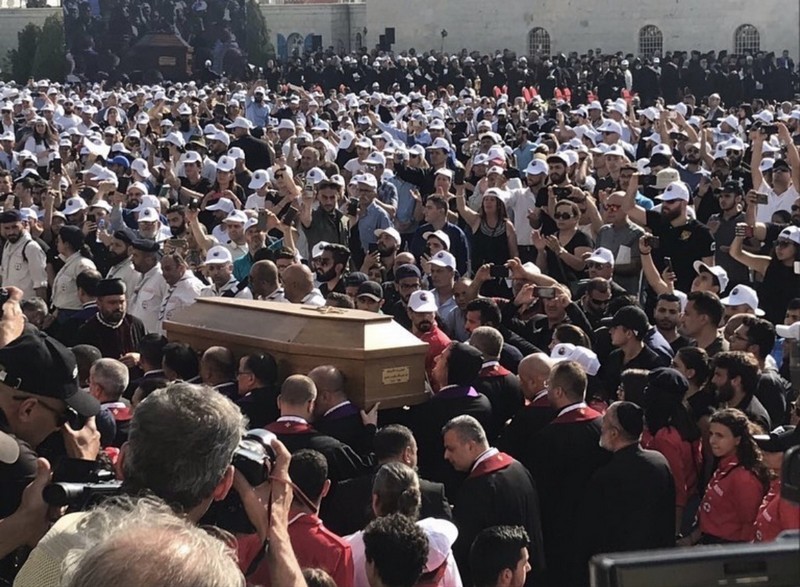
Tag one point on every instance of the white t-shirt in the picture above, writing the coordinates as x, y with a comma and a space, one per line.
776, 202
255, 202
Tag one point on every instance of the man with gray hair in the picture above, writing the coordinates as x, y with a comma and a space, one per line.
494, 381
494, 478
180, 448
636, 489
145, 543
108, 379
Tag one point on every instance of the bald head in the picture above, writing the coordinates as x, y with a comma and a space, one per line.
533, 373
404, 259
297, 391
263, 278
327, 378
298, 282
217, 365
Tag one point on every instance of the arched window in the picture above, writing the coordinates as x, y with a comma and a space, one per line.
294, 45
746, 39
651, 41
538, 42
359, 41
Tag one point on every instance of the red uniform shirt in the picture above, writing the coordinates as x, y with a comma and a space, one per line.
730, 505
684, 460
437, 342
314, 546
775, 515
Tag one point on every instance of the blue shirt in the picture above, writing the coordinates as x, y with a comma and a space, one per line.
257, 114
524, 157
405, 202
375, 218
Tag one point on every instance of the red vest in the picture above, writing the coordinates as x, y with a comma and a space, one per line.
493, 464
290, 428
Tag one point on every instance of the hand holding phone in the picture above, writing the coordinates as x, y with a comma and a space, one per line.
289, 215
499, 272
653, 241
545, 293
743, 230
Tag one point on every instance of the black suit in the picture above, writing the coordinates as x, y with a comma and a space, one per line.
515, 437
260, 406
500, 497
343, 462
630, 503
562, 458
256, 152
427, 421
502, 389
345, 424
348, 507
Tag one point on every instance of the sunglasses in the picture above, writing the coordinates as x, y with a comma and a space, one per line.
783, 243
61, 417
600, 302
595, 265
613, 207
563, 216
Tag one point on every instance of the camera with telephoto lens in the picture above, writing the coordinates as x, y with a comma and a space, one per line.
255, 457
81, 496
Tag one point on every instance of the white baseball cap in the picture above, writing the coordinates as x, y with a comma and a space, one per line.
391, 231
536, 167
448, 173
791, 233
236, 153
743, 295
226, 163
218, 255
236, 216
677, 190
148, 215
422, 301
440, 234
140, 166
74, 205
584, 357
191, 157
223, 204
444, 259
716, 271
375, 158
440, 143
242, 122
601, 255
148, 201
792, 332
610, 126
259, 179
316, 175
368, 179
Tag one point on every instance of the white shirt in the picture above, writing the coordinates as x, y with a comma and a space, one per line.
126, 273
65, 291
24, 265
181, 295
145, 302
487, 454
255, 202
232, 284
518, 205
313, 299
775, 202
451, 578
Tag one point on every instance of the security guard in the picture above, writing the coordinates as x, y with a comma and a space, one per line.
23, 260
219, 267
150, 290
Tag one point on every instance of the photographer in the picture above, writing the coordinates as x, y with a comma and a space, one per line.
38, 396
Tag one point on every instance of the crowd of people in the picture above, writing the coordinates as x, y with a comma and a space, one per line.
608, 286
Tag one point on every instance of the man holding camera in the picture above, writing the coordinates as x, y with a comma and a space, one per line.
39, 395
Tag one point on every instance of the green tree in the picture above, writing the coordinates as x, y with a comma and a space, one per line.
49, 60
21, 58
259, 49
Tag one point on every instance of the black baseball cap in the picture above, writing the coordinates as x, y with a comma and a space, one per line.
779, 440
632, 318
669, 381
407, 270
146, 244
782, 163
355, 279
371, 290
40, 365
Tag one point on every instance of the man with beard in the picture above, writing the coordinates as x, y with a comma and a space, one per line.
691, 170
332, 267
150, 289
120, 260
442, 280
736, 378
779, 181
407, 280
176, 219
666, 316
389, 240
219, 267
422, 313
523, 204
683, 239
150, 226
23, 261
723, 228
112, 330
325, 223
183, 287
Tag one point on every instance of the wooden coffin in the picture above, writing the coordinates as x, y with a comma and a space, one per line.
381, 360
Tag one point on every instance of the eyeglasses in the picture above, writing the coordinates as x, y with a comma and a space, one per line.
692, 151
61, 417
597, 302
563, 216
409, 286
780, 170
243, 373
595, 265
613, 207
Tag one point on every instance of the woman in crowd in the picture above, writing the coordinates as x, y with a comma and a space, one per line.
694, 364
780, 283
77, 258
396, 490
561, 255
730, 505
42, 141
670, 430
632, 383
225, 185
